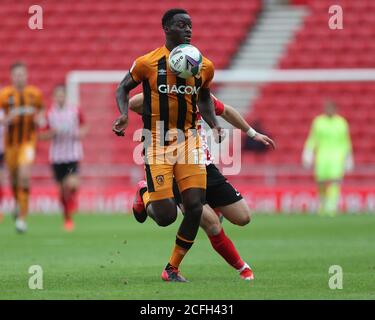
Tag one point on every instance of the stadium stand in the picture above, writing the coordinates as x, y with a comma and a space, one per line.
108, 36
348, 48
287, 109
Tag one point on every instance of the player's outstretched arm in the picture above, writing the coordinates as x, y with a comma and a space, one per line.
232, 116
83, 130
207, 111
122, 99
40, 119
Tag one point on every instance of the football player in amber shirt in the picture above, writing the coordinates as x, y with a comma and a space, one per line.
170, 106
23, 108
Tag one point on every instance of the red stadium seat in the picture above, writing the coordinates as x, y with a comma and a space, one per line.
293, 107
316, 46
109, 35
347, 48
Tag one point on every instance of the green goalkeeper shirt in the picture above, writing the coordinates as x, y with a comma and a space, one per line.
329, 139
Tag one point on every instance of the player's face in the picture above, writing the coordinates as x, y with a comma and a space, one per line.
180, 30
330, 108
59, 96
19, 77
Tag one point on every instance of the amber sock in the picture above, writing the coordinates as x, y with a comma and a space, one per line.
23, 201
180, 249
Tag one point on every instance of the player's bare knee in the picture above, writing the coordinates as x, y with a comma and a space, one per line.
23, 182
167, 216
210, 222
163, 212
71, 184
245, 219
242, 216
212, 228
165, 221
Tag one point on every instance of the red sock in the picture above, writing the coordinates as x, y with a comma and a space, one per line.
218, 213
225, 247
65, 207
71, 201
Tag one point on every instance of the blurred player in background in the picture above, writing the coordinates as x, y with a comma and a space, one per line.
329, 148
176, 113
66, 127
221, 196
23, 107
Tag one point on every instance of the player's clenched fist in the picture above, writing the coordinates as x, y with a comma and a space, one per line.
120, 124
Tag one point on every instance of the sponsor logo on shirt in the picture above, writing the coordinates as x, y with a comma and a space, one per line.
163, 88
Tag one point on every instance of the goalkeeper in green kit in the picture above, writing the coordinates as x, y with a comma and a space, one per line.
329, 148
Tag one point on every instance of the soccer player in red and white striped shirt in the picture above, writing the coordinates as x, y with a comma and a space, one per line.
221, 196
65, 127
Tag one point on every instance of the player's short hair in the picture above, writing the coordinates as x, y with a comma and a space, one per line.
16, 65
59, 86
328, 100
168, 15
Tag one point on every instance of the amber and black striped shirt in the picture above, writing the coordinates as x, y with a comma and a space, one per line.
167, 98
22, 107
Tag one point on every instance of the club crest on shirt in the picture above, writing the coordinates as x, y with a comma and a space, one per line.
160, 180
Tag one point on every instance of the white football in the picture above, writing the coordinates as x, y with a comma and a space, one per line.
185, 61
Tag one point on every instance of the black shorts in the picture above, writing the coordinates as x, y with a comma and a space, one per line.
61, 170
2, 158
219, 192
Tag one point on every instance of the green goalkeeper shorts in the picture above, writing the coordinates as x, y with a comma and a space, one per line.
329, 169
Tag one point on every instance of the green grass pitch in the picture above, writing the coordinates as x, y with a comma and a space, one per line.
114, 257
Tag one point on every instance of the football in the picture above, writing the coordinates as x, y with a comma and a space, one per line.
185, 61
